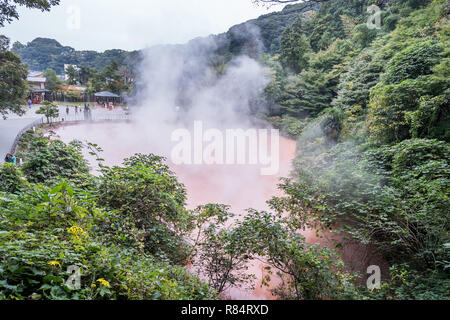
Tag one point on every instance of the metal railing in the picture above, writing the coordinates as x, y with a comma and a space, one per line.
35, 123
78, 117
93, 116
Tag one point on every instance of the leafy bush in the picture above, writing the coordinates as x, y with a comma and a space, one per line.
11, 178
44, 231
414, 61
307, 271
394, 197
48, 160
391, 105
146, 191
49, 110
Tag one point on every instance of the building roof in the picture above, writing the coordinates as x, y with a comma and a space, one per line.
37, 74
106, 94
66, 87
36, 79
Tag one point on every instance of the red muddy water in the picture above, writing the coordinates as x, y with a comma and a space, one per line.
240, 186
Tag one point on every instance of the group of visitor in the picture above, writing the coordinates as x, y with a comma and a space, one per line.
87, 111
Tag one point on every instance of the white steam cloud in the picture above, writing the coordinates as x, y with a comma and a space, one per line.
191, 83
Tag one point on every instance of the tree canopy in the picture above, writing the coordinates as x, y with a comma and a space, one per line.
8, 8
13, 86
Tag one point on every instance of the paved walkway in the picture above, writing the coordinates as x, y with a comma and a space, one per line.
9, 130
11, 127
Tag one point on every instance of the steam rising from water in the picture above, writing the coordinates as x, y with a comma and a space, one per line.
183, 84
192, 82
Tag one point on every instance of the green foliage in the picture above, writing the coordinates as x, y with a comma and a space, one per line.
414, 61
146, 191
269, 29
375, 167
72, 75
114, 82
289, 126
9, 9
431, 119
11, 178
225, 249
395, 197
48, 160
354, 86
49, 110
13, 74
221, 251
85, 74
51, 80
392, 105
308, 271
43, 53
362, 36
295, 48
407, 284
305, 95
44, 231
326, 25
73, 96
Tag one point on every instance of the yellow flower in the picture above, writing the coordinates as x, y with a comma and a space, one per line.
76, 231
103, 282
55, 263
93, 285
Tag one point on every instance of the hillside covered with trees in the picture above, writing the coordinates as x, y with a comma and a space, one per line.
42, 53
369, 110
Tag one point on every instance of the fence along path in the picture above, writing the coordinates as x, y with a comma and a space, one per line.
93, 116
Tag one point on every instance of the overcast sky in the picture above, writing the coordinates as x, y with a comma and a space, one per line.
131, 24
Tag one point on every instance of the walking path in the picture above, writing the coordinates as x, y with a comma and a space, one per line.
13, 126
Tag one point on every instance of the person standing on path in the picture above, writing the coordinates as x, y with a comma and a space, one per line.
10, 158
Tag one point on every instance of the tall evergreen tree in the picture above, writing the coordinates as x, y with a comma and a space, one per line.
13, 86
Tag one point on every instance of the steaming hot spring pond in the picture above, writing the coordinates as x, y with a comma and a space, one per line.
240, 186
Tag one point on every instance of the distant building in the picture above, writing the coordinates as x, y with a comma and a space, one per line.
71, 88
36, 81
107, 98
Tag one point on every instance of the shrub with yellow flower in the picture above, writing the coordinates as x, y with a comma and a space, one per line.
103, 282
54, 263
76, 231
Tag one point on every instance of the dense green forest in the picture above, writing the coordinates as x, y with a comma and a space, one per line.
42, 53
369, 109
